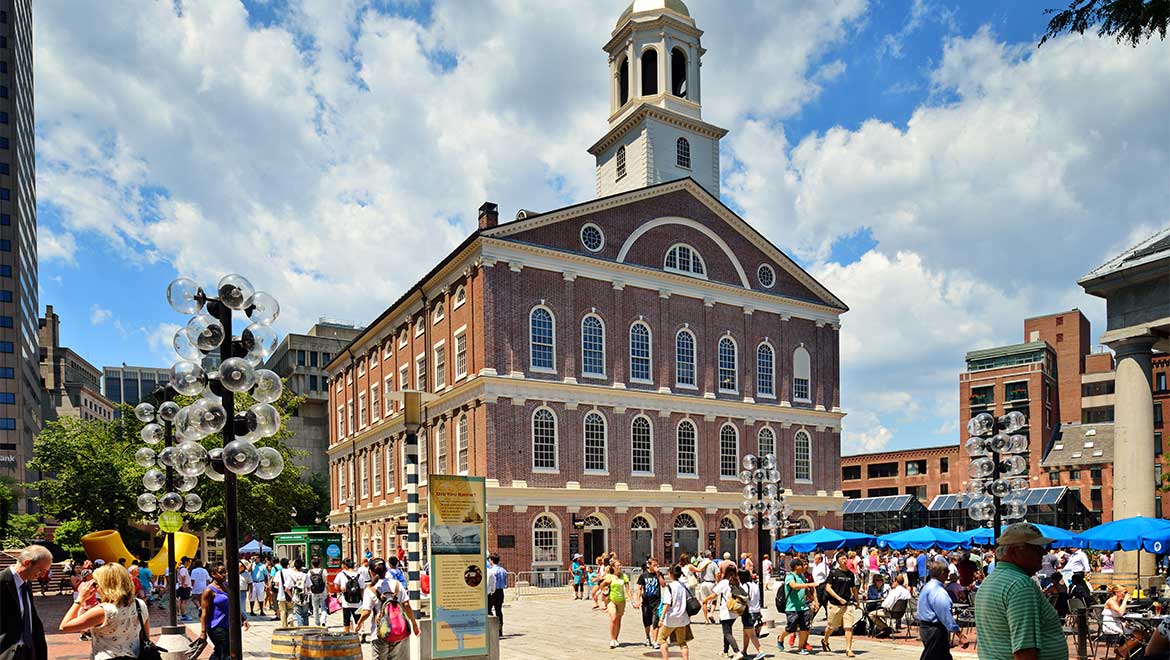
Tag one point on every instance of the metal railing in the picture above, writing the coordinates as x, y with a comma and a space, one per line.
552, 582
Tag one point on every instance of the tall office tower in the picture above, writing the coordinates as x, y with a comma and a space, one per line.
20, 381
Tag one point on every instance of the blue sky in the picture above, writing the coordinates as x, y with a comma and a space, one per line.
915, 156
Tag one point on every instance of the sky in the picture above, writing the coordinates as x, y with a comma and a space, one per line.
924, 160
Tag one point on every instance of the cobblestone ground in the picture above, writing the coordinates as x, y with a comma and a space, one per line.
534, 628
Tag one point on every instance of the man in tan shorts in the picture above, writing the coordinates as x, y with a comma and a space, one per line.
676, 623
841, 595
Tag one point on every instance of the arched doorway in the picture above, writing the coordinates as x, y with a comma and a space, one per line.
641, 540
593, 538
686, 535
728, 537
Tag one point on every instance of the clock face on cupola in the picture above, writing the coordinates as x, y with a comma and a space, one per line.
656, 132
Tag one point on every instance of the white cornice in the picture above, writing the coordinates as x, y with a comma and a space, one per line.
535, 256
647, 111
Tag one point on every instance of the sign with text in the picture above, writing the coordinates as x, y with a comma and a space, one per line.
457, 508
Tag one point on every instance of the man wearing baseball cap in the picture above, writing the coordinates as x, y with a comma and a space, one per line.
1014, 619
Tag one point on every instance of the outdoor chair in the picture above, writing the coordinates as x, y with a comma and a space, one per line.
898, 612
912, 619
1099, 637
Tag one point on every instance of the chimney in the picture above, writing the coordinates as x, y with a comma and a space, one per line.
489, 215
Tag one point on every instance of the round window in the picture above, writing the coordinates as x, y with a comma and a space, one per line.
766, 275
592, 238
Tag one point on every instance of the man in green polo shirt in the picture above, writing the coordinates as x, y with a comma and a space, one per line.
1014, 619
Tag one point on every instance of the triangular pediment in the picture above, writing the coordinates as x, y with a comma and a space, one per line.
626, 217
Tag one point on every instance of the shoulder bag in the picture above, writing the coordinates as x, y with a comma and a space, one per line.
147, 650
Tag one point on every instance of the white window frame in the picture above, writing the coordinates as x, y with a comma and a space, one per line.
678, 450
771, 380
796, 457
619, 160
461, 353
342, 493
441, 448
364, 472
604, 469
650, 448
760, 442
424, 451
376, 470
439, 314
694, 361
349, 417
680, 145
719, 365
460, 297
375, 404
734, 474
387, 399
556, 538
403, 382
420, 373
682, 271
420, 325
556, 466
352, 482
391, 470
340, 422
584, 371
589, 225
766, 267
402, 461
532, 343
440, 376
462, 446
363, 420
649, 358
388, 349
402, 337
373, 358
796, 374
361, 367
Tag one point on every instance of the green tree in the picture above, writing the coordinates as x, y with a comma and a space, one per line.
1131, 21
68, 535
22, 527
9, 494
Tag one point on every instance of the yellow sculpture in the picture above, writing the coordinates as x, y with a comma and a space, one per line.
108, 546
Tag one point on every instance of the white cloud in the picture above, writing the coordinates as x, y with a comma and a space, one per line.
99, 315
863, 433
55, 246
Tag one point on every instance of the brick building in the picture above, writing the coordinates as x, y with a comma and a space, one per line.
71, 385
607, 363
924, 473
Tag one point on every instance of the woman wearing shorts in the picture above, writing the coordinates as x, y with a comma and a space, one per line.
751, 617
617, 585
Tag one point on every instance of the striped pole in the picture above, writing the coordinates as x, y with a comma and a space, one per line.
412, 541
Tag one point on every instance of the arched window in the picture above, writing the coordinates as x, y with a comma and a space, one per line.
728, 451
640, 351
640, 522
642, 445
801, 370
767, 438
623, 82
460, 297
684, 359
649, 72
592, 346
802, 461
687, 459
546, 539
682, 150
621, 162
765, 370
728, 371
678, 72
685, 521
683, 259
544, 439
541, 339
461, 444
595, 453
441, 448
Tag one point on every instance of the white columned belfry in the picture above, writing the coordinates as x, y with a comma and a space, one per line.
645, 125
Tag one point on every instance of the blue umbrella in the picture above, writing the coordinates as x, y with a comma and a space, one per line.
822, 539
1125, 534
925, 538
982, 535
254, 547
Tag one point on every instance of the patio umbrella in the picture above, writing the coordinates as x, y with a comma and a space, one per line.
925, 538
254, 547
822, 539
982, 535
1125, 534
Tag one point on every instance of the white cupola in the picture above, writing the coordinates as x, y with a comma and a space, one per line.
656, 132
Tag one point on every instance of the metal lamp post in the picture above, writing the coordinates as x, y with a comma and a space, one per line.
763, 506
214, 382
998, 469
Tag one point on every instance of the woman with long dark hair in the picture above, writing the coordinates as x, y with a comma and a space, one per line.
725, 589
214, 619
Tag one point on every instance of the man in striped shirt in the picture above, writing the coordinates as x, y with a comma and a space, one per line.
1014, 619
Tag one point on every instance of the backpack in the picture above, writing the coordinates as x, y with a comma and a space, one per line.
391, 625
693, 604
782, 598
353, 589
296, 591
737, 601
317, 581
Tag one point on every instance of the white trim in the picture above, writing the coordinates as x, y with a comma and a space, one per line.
677, 453
693, 224
768, 428
599, 231
605, 447
719, 367
458, 299
695, 255
461, 333
556, 440
420, 325
439, 313
650, 422
649, 350
592, 374
556, 520
719, 439
553, 320
770, 269
695, 361
795, 436
772, 348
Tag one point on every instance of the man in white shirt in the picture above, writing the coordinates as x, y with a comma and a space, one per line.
1077, 562
381, 590
349, 607
881, 616
820, 572
199, 579
183, 587
676, 623
283, 604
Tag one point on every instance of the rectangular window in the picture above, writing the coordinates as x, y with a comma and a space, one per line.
915, 467
1161, 382
1095, 474
1157, 413
919, 492
982, 396
1016, 392
728, 452
1157, 474
800, 389
324, 359
440, 367
340, 422
365, 476
1074, 475
850, 472
5, 270
1157, 443
402, 462
349, 417
391, 475
387, 390
5, 245
684, 360
641, 444
1095, 497
313, 383
7, 397
460, 355
881, 470
441, 449
3, 115
6, 347
1054, 478
944, 465
420, 373
882, 492
301, 359
313, 358
341, 493
403, 382
377, 470
687, 463
944, 489
362, 410
375, 409
640, 352
7, 424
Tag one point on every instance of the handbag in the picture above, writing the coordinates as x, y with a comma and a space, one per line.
147, 650
333, 604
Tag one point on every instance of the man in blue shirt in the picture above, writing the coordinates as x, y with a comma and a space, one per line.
499, 576
922, 576
934, 616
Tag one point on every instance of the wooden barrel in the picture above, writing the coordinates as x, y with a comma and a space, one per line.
335, 646
286, 642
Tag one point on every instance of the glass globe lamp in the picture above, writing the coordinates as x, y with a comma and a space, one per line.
264, 419
981, 424
151, 434
195, 458
749, 522
237, 375
171, 502
154, 480
240, 457
1013, 421
235, 291
147, 502
270, 464
265, 310
205, 331
268, 387
145, 457
144, 412
184, 347
184, 296
750, 462
168, 410
188, 378
192, 503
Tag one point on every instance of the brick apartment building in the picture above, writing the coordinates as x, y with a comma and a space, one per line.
924, 473
607, 363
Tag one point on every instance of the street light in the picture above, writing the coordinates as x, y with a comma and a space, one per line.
763, 503
215, 381
998, 468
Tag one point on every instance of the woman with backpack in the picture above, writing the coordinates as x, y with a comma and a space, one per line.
296, 588
318, 580
386, 605
752, 617
732, 603
349, 589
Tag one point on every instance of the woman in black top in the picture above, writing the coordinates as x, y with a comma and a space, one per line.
1057, 593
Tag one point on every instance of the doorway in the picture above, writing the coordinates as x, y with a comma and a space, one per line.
686, 535
641, 540
593, 538
728, 538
